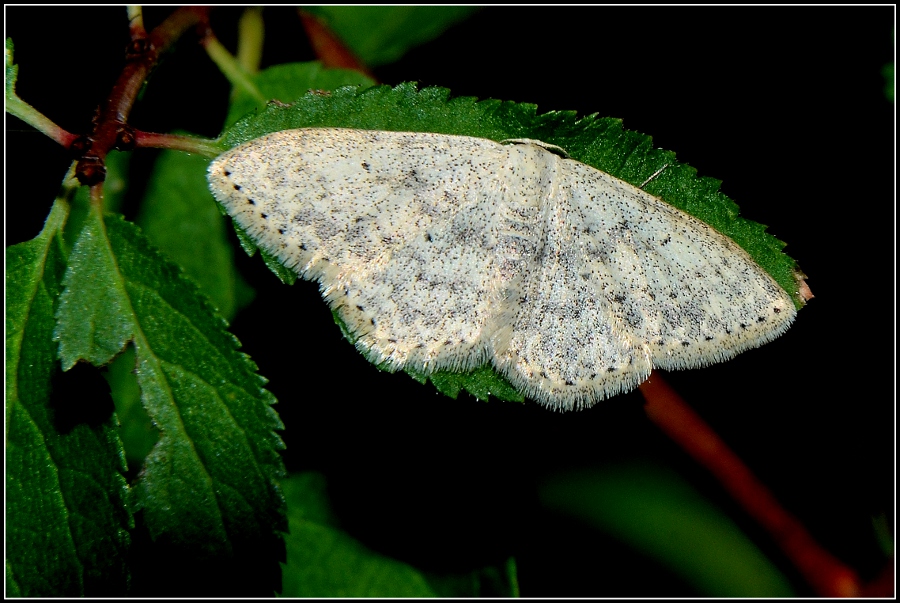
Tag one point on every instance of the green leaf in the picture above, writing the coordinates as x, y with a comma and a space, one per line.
659, 514
382, 34
67, 516
12, 587
284, 274
136, 431
481, 383
490, 581
324, 561
177, 218
207, 485
284, 83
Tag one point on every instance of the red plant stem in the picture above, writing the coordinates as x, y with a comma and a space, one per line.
828, 576
143, 54
330, 49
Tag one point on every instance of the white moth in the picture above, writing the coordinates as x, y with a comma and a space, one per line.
447, 252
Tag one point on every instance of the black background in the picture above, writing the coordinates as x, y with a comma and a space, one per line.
785, 106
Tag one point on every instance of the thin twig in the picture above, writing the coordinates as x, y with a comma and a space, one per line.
827, 576
143, 54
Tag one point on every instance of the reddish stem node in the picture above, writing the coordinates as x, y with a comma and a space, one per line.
142, 55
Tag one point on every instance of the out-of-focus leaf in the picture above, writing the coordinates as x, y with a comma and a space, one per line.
325, 561
383, 34
662, 516
177, 217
